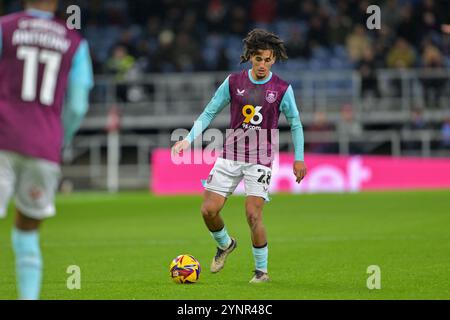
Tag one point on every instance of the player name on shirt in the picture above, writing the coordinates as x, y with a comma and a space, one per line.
40, 33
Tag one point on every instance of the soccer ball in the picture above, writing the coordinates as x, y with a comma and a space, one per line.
185, 269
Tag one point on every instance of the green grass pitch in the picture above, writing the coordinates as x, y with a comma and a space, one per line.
319, 247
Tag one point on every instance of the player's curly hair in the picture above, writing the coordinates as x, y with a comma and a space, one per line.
259, 39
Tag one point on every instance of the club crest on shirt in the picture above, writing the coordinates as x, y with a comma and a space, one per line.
271, 96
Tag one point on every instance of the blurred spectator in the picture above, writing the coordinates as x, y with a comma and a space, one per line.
143, 54
223, 63
382, 44
408, 26
216, 12
189, 24
358, 11
185, 53
390, 11
351, 128
320, 125
366, 67
417, 123
263, 12
239, 21
318, 34
163, 59
152, 28
119, 65
445, 44
307, 10
429, 20
357, 42
340, 27
445, 133
296, 45
434, 78
401, 56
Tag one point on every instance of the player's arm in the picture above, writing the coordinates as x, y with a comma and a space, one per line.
81, 81
289, 108
213, 108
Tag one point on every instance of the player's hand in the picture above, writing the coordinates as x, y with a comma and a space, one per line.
299, 170
180, 146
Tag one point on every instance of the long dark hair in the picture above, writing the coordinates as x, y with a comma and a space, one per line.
259, 39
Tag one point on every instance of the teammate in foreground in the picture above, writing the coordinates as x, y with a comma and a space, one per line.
45, 78
256, 98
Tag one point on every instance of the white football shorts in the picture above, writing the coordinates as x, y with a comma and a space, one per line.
227, 174
32, 181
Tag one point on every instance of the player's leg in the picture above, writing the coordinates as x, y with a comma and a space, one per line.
213, 202
7, 181
222, 181
25, 240
36, 187
254, 212
257, 180
211, 207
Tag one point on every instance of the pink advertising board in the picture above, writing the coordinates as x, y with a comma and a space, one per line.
326, 173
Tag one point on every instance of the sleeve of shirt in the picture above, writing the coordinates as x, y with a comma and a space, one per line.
213, 108
81, 81
289, 108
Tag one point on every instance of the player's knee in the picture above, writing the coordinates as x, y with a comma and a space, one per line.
209, 211
254, 216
